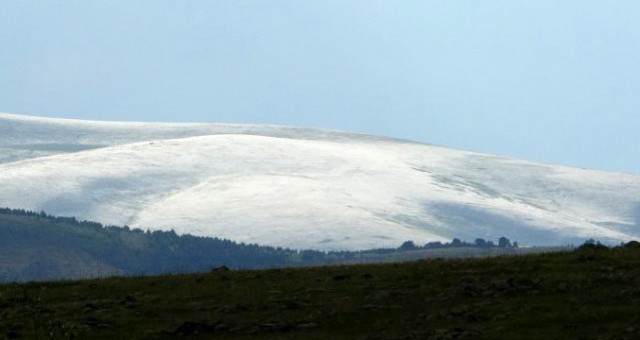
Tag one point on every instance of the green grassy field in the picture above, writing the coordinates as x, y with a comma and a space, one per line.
587, 293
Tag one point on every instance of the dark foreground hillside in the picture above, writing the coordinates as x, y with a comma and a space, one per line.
588, 293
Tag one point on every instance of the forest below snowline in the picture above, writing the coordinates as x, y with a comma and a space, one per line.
37, 246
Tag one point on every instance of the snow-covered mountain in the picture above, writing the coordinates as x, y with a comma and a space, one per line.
302, 188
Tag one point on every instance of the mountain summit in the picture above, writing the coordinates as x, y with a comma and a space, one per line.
300, 187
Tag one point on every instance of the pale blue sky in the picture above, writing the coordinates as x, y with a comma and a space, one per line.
553, 81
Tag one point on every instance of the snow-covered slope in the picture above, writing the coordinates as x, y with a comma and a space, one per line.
302, 188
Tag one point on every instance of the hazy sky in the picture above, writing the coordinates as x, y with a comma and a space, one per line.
553, 81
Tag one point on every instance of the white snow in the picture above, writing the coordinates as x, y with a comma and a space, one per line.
302, 188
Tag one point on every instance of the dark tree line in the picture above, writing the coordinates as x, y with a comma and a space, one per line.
503, 242
40, 246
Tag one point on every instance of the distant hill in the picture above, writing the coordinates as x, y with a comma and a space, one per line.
36, 246
302, 188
